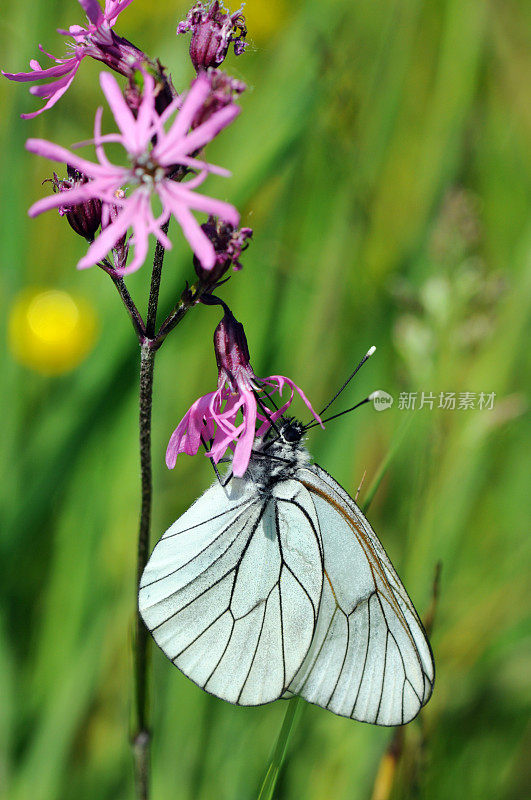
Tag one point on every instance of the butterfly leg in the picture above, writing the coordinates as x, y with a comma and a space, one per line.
223, 481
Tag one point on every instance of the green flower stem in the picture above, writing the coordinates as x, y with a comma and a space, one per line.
150, 343
141, 737
141, 734
130, 307
153, 302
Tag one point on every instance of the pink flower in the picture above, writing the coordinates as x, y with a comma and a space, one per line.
96, 40
150, 172
227, 418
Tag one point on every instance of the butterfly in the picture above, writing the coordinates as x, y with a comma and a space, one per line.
275, 585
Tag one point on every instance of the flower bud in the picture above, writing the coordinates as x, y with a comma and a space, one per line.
213, 30
164, 91
223, 91
231, 349
85, 218
117, 53
229, 243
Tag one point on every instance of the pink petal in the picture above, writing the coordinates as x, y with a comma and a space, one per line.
204, 166
176, 443
106, 137
193, 101
55, 89
210, 129
76, 31
51, 102
201, 202
122, 114
197, 239
220, 445
140, 253
242, 452
71, 197
140, 237
98, 143
40, 74
104, 243
280, 380
159, 234
146, 112
169, 110
113, 8
55, 152
197, 419
92, 10
187, 436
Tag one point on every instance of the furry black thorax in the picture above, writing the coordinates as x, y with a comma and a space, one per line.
278, 458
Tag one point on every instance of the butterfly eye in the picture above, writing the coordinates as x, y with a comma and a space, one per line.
292, 433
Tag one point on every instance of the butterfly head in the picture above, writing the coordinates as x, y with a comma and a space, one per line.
278, 458
291, 430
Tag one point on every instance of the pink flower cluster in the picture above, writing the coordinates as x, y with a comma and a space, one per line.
96, 40
149, 173
163, 135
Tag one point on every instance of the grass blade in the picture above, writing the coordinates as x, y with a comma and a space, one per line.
279, 753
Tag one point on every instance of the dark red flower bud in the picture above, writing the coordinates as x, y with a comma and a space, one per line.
229, 243
85, 218
164, 90
231, 349
223, 91
117, 53
213, 30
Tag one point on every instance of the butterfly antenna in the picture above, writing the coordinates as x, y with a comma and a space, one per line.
368, 399
365, 358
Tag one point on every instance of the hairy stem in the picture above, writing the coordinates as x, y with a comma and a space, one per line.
130, 307
150, 343
190, 297
141, 739
151, 319
136, 319
142, 736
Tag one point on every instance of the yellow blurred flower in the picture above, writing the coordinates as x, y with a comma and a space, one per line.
50, 331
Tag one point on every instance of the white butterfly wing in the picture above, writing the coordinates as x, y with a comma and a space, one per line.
231, 591
370, 659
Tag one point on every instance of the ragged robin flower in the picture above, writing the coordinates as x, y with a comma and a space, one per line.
97, 40
155, 156
227, 418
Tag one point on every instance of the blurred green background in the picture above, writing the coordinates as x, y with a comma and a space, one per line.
383, 159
